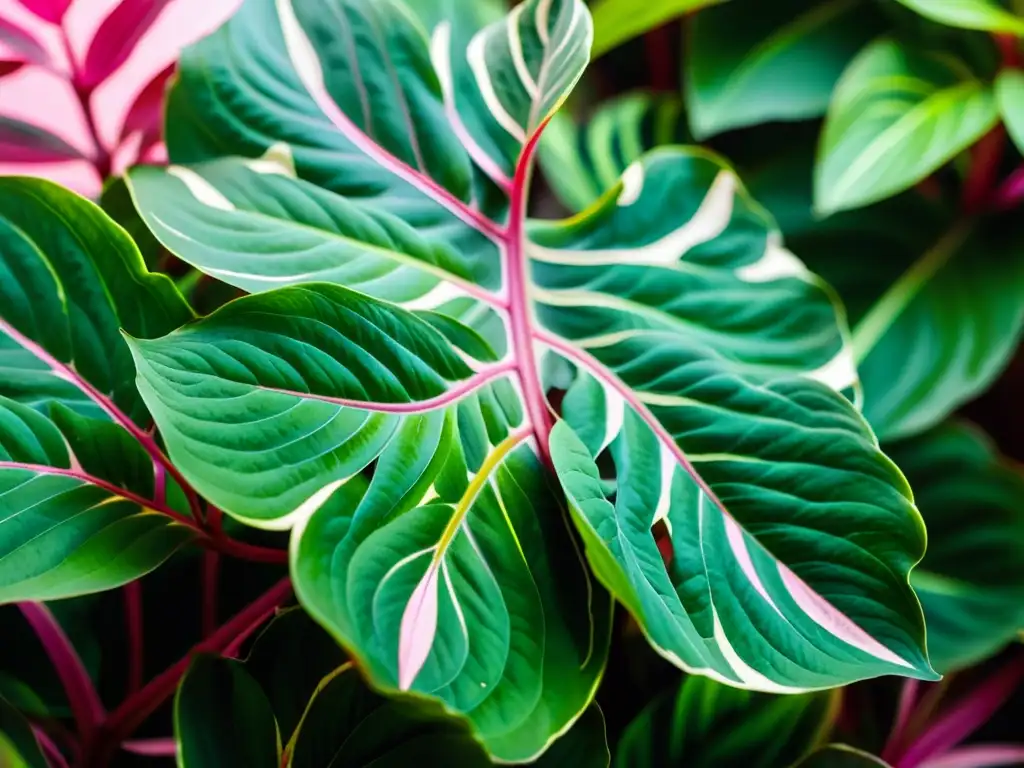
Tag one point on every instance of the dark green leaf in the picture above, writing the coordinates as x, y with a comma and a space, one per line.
841, 756
222, 718
585, 745
18, 745
971, 582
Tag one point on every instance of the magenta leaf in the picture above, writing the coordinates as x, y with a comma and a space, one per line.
22, 142
8, 67
48, 10
117, 37
146, 112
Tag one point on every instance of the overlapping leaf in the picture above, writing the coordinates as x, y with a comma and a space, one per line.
987, 15
706, 724
971, 581
618, 21
896, 115
404, 443
749, 63
74, 486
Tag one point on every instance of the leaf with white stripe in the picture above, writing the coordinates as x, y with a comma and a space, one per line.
427, 536
791, 535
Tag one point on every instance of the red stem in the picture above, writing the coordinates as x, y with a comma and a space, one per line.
658, 46
1011, 192
54, 757
138, 707
986, 156
519, 301
101, 159
85, 702
133, 621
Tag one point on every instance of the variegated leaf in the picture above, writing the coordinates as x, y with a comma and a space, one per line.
400, 427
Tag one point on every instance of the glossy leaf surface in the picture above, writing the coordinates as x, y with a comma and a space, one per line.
706, 724
897, 114
1010, 95
971, 582
618, 21
71, 511
749, 62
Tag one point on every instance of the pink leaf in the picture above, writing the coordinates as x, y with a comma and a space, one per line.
117, 37
48, 10
147, 111
22, 142
22, 42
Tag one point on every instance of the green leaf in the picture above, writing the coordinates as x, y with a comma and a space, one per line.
971, 581
706, 724
1010, 95
985, 15
720, 414
289, 660
348, 724
749, 62
66, 532
405, 443
18, 745
934, 302
841, 756
896, 116
582, 162
74, 507
117, 203
586, 744
222, 718
618, 21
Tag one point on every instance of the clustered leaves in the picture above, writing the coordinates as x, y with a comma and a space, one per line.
470, 433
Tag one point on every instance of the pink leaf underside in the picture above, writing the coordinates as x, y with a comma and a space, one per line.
18, 44
146, 112
48, 10
25, 143
117, 37
419, 625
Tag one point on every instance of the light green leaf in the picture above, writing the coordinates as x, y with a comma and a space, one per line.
222, 718
986, 15
1010, 94
971, 581
842, 756
18, 745
582, 162
618, 21
66, 532
348, 724
699, 383
934, 306
706, 724
749, 62
896, 116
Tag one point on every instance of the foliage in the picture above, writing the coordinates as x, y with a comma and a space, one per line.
344, 335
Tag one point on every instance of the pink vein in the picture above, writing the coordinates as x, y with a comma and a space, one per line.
382, 157
85, 702
457, 392
67, 373
42, 469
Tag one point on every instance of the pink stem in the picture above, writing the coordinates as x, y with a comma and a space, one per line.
520, 316
1011, 192
979, 756
985, 158
904, 709
966, 716
51, 751
67, 373
152, 747
137, 708
101, 156
85, 702
133, 621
